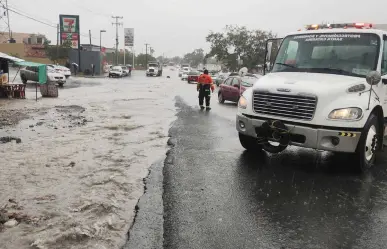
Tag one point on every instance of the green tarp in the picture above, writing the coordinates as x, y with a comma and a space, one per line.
42, 69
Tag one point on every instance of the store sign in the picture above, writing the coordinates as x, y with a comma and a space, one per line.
129, 37
69, 30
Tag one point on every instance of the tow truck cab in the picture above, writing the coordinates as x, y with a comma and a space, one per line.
324, 88
154, 69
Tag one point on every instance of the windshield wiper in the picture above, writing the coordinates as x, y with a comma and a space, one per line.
284, 64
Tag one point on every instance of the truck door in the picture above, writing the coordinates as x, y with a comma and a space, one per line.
384, 74
272, 47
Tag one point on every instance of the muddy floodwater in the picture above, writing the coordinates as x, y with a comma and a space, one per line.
72, 168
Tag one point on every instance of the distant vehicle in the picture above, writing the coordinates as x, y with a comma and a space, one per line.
32, 74
154, 69
116, 71
184, 76
213, 75
107, 68
184, 70
61, 69
185, 65
233, 87
193, 76
220, 78
125, 70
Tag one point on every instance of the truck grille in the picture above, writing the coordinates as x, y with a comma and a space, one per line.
284, 105
151, 70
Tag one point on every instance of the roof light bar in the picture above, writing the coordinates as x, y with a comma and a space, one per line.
339, 26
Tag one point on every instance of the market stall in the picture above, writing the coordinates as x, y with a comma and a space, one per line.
17, 90
8, 89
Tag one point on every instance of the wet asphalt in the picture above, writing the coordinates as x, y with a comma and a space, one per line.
216, 195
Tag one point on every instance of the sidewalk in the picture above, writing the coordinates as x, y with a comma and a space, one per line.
88, 76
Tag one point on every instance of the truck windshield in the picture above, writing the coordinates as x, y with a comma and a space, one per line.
153, 65
353, 54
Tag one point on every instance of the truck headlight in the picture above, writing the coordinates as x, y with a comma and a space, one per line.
351, 113
242, 103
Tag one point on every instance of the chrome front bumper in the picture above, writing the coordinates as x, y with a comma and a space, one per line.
320, 139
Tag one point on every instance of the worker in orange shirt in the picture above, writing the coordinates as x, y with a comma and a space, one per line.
204, 87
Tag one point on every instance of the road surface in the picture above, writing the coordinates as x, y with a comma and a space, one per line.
87, 157
215, 195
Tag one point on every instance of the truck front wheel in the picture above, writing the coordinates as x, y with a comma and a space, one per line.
249, 143
368, 144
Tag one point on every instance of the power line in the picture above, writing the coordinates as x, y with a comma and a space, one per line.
89, 10
17, 8
29, 17
39, 21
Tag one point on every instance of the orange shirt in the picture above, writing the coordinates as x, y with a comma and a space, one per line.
205, 79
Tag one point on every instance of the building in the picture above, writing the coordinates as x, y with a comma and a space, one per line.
96, 48
29, 47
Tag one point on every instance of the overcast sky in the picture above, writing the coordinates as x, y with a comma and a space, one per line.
175, 27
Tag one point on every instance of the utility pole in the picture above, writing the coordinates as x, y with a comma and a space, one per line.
9, 25
117, 24
133, 56
146, 56
90, 39
57, 40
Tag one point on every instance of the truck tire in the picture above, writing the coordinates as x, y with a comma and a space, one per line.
368, 144
61, 84
24, 80
249, 143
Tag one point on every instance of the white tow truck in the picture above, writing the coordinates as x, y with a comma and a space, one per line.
325, 88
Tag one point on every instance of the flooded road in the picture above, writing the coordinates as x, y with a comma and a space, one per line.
218, 196
74, 169
75, 174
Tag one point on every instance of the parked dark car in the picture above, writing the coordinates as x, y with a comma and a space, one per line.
193, 76
233, 87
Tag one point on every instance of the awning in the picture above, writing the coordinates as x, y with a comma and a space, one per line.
42, 69
28, 64
10, 58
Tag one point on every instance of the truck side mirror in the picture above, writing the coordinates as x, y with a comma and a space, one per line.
373, 78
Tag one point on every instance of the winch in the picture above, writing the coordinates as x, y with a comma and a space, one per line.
271, 132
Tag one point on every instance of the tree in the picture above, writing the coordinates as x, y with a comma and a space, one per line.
57, 54
239, 43
141, 59
176, 59
194, 58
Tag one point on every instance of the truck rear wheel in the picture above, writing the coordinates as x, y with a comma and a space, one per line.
24, 80
368, 144
249, 143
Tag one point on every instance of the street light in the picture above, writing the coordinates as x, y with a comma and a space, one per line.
100, 39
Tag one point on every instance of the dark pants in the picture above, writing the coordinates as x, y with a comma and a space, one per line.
204, 93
